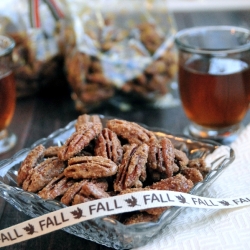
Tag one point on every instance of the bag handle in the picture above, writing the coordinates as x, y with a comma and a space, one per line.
35, 19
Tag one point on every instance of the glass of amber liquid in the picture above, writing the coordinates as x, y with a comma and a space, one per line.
7, 93
214, 80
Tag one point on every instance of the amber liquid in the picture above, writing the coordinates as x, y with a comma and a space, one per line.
215, 92
7, 99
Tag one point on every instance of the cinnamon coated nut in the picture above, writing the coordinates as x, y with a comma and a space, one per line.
79, 140
161, 157
132, 170
109, 146
90, 167
85, 118
56, 187
131, 131
32, 159
43, 173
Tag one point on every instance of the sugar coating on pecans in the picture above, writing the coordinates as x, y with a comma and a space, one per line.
98, 161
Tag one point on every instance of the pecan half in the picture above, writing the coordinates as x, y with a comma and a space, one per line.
181, 158
56, 187
78, 199
82, 119
68, 196
109, 146
192, 174
140, 218
90, 167
51, 151
131, 131
31, 160
161, 157
79, 140
90, 189
132, 169
176, 183
42, 174
199, 164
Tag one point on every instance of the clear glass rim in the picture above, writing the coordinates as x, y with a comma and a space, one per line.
10, 44
193, 49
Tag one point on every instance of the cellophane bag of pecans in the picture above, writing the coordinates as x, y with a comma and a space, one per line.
120, 52
35, 27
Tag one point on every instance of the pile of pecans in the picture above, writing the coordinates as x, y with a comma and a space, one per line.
32, 74
99, 161
90, 85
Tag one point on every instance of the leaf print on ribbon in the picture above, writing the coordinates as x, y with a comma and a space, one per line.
78, 213
182, 199
225, 203
132, 202
30, 229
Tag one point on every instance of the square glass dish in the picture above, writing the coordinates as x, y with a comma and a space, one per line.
105, 230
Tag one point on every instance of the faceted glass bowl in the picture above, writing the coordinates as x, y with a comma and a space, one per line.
104, 230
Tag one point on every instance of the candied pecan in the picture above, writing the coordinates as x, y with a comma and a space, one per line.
181, 158
140, 218
157, 211
161, 156
101, 183
78, 199
98, 78
77, 67
90, 167
82, 119
79, 140
56, 187
131, 131
90, 189
94, 93
42, 174
95, 66
192, 174
199, 164
132, 190
51, 151
109, 146
31, 160
176, 183
132, 169
68, 196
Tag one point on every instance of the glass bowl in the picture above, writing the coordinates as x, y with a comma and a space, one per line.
104, 230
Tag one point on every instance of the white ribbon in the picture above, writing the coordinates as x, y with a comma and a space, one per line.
113, 205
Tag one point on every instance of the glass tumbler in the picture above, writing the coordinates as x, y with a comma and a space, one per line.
7, 93
214, 80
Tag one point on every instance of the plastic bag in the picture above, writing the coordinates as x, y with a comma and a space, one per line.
35, 27
122, 53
